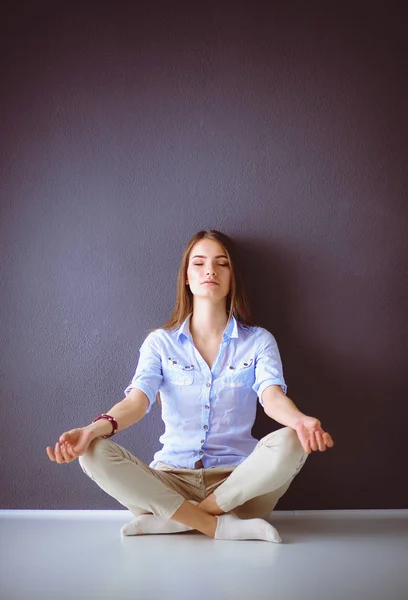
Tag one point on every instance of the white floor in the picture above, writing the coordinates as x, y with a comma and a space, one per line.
330, 555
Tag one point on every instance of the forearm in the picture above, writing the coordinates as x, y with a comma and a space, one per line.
281, 408
127, 412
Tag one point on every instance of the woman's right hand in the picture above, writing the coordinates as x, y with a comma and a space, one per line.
71, 444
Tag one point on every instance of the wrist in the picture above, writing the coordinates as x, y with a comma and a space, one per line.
99, 428
304, 420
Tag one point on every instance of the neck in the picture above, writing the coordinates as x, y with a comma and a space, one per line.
208, 320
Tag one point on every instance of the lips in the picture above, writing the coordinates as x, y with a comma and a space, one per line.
210, 282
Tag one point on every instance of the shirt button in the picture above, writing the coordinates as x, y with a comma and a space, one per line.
206, 406
205, 426
202, 441
201, 453
208, 384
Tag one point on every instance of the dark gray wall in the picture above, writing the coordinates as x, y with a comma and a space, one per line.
124, 131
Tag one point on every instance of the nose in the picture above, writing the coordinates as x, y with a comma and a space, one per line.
211, 271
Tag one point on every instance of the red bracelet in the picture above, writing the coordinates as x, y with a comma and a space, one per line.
111, 420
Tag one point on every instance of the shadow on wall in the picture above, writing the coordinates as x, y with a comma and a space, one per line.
270, 276
324, 378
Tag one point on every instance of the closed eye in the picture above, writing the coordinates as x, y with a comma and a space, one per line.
196, 264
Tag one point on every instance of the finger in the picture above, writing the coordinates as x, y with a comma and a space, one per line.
313, 442
306, 445
320, 441
50, 453
328, 440
66, 456
304, 440
70, 451
58, 455
66, 436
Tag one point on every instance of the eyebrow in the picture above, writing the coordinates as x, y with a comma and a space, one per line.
202, 256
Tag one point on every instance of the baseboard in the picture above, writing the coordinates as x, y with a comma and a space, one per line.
122, 515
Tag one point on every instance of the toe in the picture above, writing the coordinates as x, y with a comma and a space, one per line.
131, 528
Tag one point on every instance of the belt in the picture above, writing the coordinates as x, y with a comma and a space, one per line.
199, 464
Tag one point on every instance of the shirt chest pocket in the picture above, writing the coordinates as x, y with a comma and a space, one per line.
239, 375
176, 373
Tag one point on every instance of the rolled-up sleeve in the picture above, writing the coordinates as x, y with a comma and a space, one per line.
149, 374
268, 365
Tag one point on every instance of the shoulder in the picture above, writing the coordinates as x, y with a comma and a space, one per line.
158, 338
256, 333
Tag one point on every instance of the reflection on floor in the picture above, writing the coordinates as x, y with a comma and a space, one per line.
329, 555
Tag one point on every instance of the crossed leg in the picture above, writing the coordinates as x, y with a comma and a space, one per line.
269, 469
252, 490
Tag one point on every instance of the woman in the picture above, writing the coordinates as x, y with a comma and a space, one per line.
210, 364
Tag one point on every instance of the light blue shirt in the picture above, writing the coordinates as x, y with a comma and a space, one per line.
208, 413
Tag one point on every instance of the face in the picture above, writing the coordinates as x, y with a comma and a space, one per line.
208, 272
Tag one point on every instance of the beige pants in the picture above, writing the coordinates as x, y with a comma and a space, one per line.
251, 489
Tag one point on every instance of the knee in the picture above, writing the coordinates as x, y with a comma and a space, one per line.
94, 454
287, 439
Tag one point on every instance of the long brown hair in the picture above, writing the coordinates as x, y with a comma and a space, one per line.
237, 300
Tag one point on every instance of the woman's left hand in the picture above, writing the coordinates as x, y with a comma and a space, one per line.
312, 436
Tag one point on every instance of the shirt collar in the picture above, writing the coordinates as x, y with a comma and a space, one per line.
231, 330
184, 329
